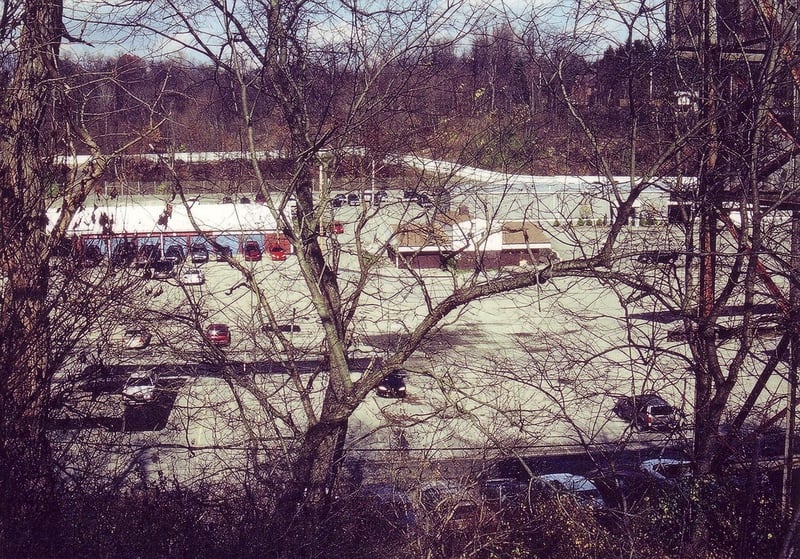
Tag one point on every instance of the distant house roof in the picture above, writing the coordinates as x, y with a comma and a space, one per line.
524, 233
135, 219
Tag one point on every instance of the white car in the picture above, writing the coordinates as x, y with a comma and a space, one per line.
136, 338
140, 388
666, 469
577, 485
193, 276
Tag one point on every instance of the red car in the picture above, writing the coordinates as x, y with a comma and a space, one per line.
252, 251
336, 227
218, 334
277, 253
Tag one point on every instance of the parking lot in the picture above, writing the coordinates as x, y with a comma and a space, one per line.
535, 369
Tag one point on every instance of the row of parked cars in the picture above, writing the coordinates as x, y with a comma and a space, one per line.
376, 198
139, 338
150, 256
142, 386
456, 505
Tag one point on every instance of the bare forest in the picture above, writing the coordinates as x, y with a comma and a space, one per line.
418, 346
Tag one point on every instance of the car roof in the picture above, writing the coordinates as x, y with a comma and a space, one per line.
652, 462
652, 399
646, 398
570, 482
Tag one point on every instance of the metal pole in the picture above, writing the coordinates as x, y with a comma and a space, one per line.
794, 298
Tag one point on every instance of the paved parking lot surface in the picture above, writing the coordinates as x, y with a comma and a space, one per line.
540, 367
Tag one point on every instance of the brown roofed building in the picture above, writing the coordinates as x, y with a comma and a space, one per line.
469, 243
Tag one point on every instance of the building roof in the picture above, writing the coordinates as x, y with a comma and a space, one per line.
525, 233
418, 235
131, 218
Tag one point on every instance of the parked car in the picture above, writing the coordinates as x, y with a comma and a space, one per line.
648, 411
755, 441
409, 194
666, 469
424, 201
392, 386
148, 254
339, 200
223, 253
658, 257
252, 251
503, 491
388, 503
90, 256
277, 253
578, 486
193, 276
163, 269
198, 254
140, 388
123, 254
353, 199
136, 338
380, 196
174, 254
449, 502
218, 334
285, 328
336, 227
622, 488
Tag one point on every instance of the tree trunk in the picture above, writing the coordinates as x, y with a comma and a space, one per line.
25, 158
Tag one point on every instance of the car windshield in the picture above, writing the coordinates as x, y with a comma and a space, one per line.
660, 410
392, 381
140, 381
672, 470
465, 510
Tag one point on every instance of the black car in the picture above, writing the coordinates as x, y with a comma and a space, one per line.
123, 254
148, 254
339, 200
90, 256
223, 253
392, 386
198, 254
647, 412
174, 254
501, 492
658, 257
424, 201
623, 488
353, 199
163, 269
409, 194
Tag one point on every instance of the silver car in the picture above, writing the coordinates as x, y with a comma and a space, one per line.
140, 388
